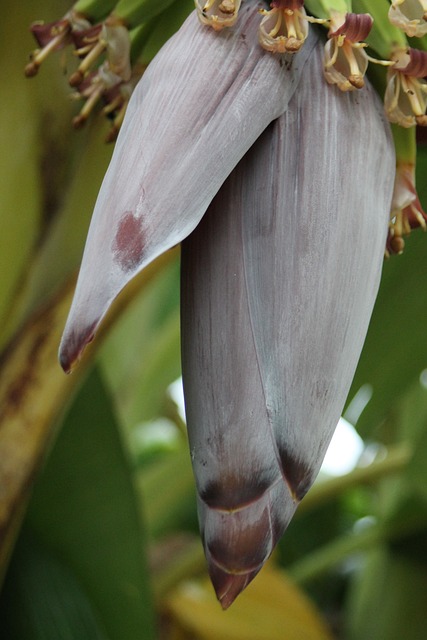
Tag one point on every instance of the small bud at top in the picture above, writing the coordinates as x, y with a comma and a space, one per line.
410, 16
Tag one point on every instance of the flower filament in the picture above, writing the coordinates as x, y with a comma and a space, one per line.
284, 27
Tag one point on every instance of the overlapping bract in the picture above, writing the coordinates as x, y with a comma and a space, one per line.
202, 103
279, 279
278, 285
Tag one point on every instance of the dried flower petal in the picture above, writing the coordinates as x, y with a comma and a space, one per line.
53, 37
110, 37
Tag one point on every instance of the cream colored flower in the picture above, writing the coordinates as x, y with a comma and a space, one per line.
285, 27
405, 99
345, 59
410, 16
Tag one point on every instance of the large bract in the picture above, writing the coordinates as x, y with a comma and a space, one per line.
202, 103
278, 285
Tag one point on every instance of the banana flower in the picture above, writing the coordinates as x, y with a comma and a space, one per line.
278, 280
278, 285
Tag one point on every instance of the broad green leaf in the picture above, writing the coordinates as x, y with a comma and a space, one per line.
271, 607
42, 599
142, 354
33, 392
58, 255
165, 26
387, 602
50, 174
168, 490
395, 350
84, 507
33, 147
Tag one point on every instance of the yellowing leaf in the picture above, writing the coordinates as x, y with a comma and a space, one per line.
271, 608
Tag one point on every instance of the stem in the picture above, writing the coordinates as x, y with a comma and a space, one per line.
396, 460
321, 561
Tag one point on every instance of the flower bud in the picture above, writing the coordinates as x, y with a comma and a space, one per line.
278, 285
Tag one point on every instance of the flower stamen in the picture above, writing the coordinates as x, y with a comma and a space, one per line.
218, 13
284, 27
345, 60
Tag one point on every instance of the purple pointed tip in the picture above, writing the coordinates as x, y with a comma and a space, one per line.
229, 585
73, 345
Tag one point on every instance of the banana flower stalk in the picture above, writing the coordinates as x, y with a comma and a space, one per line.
199, 107
279, 279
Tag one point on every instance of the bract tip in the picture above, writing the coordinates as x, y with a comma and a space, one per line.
229, 585
72, 347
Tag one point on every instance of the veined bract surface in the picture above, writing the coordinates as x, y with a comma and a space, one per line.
278, 285
202, 103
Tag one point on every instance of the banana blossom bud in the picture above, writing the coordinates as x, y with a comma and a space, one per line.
410, 16
278, 284
199, 107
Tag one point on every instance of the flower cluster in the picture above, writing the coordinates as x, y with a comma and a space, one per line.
104, 71
103, 75
284, 28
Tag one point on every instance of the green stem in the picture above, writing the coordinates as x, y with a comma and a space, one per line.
94, 10
396, 460
329, 556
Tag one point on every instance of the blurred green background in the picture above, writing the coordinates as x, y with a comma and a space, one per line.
98, 527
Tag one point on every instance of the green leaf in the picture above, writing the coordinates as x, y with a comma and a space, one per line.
84, 508
387, 602
395, 350
42, 600
271, 607
142, 354
32, 114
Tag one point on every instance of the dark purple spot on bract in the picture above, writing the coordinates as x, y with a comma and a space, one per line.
128, 245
